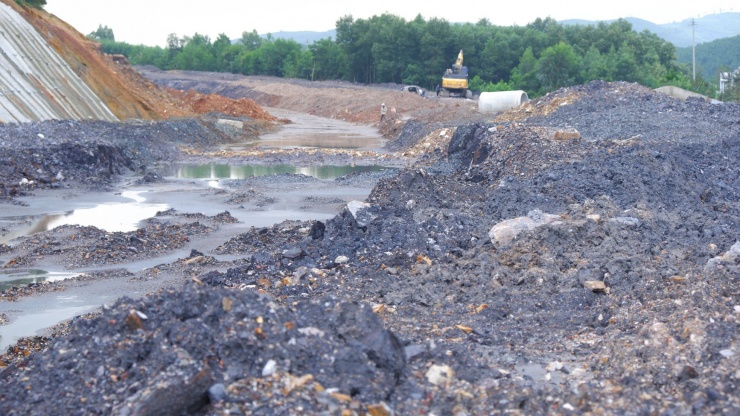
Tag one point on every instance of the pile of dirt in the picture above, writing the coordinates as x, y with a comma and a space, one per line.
92, 154
180, 349
213, 103
583, 259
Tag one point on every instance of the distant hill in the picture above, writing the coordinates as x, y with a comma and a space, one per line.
303, 37
713, 57
708, 28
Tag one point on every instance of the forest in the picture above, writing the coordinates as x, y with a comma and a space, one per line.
721, 55
539, 57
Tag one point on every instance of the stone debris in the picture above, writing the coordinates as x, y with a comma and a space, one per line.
643, 204
595, 285
506, 231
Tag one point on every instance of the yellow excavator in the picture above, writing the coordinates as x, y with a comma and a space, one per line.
455, 80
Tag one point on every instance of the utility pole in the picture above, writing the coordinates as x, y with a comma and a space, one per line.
693, 51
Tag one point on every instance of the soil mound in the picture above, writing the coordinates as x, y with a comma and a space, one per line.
178, 350
214, 103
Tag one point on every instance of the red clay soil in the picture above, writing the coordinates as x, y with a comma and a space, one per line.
210, 103
123, 90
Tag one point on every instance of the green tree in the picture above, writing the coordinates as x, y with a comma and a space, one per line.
595, 66
219, 49
251, 40
196, 55
558, 66
524, 76
477, 84
431, 62
626, 64
39, 4
174, 45
328, 60
102, 33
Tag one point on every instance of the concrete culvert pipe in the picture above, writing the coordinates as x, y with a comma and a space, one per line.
493, 102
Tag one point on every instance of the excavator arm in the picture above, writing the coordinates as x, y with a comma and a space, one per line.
459, 62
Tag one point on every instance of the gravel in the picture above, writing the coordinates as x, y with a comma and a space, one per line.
619, 296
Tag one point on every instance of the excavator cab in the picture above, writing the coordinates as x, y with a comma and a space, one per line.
455, 80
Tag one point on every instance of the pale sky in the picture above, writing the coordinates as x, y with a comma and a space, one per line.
149, 22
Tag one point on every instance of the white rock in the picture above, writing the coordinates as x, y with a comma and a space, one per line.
232, 123
355, 208
628, 221
440, 374
269, 368
554, 366
341, 259
311, 330
506, 231
727, 353
595, 285
731, 256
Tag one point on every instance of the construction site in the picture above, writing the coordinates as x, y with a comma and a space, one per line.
177, 242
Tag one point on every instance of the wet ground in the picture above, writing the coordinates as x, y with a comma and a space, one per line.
254, 195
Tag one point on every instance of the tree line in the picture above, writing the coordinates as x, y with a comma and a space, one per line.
720, 55
539, 57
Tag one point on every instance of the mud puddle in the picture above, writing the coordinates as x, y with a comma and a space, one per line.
279, 199
121, 212
14, 278
216, 171
257, 196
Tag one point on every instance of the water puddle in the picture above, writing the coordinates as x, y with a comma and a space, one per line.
33, 322
215, 171
109, 216
112, 217
18, 278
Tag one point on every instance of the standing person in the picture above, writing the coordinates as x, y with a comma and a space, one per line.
437, 90
383, 110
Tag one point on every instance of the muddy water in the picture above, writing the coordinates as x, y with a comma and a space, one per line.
214, 171
191, 189
118, 215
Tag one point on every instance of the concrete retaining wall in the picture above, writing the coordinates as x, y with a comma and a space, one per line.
35, 82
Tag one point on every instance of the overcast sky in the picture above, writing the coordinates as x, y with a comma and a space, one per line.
149, 22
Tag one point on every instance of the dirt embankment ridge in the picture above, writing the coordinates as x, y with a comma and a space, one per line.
125, 93
120, 87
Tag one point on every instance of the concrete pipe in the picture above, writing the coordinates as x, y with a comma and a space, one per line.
493, 102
